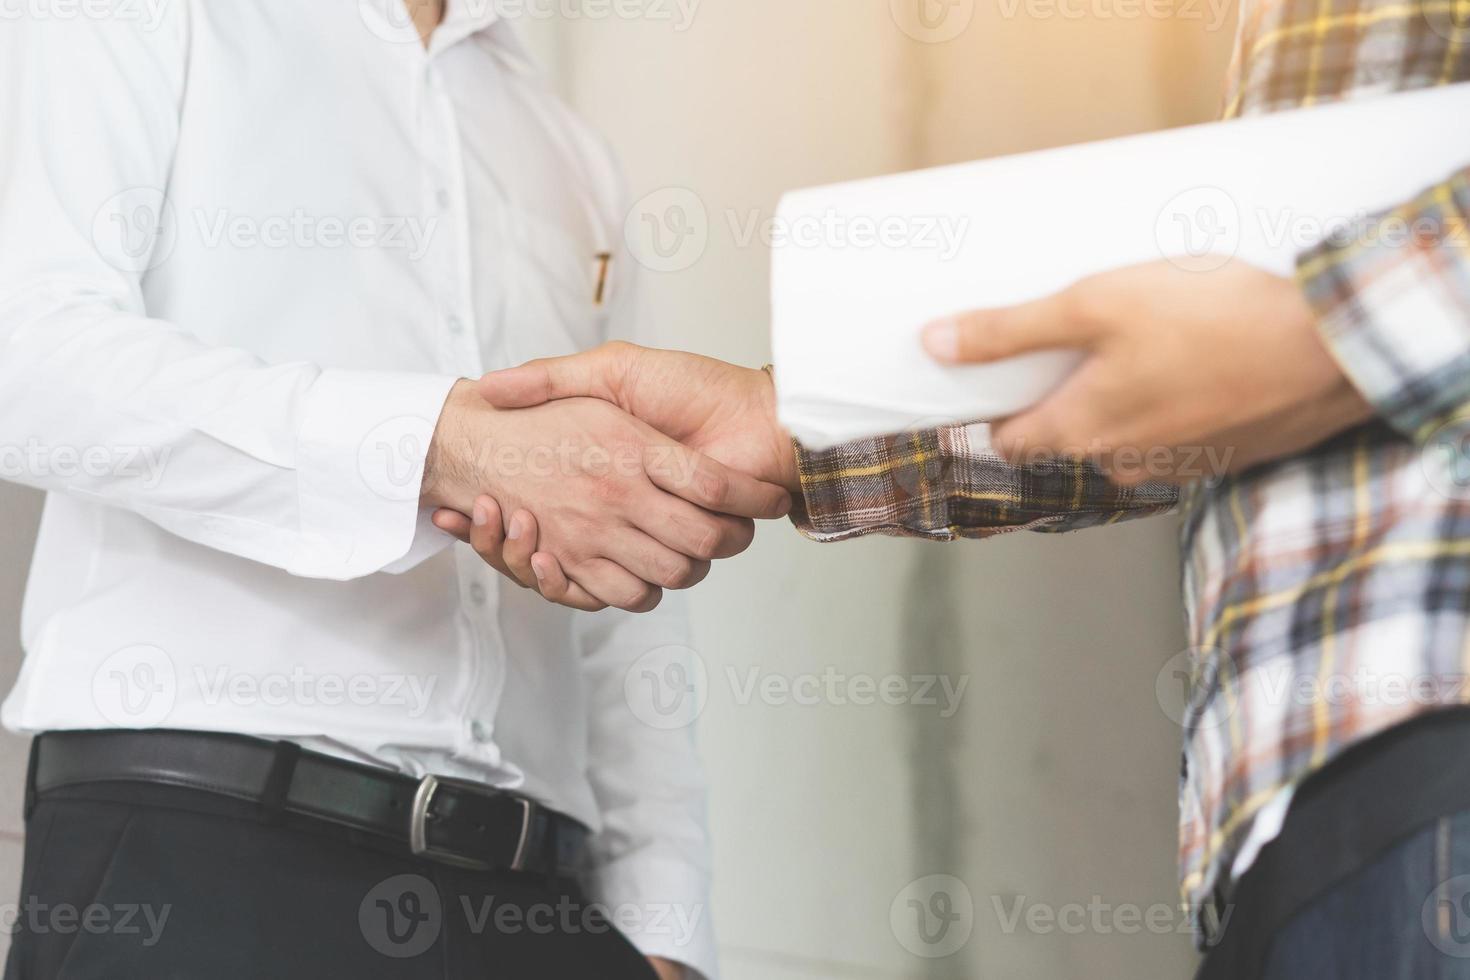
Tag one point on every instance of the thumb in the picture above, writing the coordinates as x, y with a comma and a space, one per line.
597, 373
990, 335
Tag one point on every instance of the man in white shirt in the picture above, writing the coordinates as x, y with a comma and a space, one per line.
248, 249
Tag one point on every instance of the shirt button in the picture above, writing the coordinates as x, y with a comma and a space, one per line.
479, 732
477, 594
442, 197
456, 325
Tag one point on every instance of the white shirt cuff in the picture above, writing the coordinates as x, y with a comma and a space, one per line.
364, 437
662, 906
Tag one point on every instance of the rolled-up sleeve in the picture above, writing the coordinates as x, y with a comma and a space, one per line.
1392, 295
945, 483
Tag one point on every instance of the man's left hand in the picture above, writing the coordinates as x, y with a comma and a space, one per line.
1189, 374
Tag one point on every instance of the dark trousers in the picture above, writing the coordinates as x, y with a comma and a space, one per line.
1406, 916
159, 884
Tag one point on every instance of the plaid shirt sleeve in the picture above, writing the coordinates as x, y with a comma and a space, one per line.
945, 483
1392, 294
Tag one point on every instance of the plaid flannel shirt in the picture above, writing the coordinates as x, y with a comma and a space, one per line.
1329, 593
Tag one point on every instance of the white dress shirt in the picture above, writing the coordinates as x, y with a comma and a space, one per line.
246, 249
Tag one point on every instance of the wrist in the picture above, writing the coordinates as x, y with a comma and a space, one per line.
449, 473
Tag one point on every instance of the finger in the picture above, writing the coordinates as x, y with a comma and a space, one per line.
990, 335
452, 522
692, 530
652, 561
714, 486
611, 583
557, 588
522, 534
521, 538
596, 373
487, 536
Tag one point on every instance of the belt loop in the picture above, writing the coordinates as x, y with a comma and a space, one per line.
30, 794
278, 783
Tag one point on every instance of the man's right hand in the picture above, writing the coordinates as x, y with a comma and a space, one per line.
627, 510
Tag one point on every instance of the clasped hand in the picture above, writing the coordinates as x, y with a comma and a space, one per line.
626, 510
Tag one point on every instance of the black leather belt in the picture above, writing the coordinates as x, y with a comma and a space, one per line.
450, 821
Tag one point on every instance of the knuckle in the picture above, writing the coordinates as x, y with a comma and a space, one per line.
714, 486
679, 574
642, 599
1086, 302
608, 490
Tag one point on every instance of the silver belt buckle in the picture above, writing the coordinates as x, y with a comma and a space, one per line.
418, 821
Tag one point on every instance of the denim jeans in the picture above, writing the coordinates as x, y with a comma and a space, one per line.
1406, 916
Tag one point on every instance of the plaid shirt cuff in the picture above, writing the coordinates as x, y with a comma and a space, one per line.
945, 483
1392, 294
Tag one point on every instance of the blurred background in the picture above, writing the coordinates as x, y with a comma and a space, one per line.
1011, 813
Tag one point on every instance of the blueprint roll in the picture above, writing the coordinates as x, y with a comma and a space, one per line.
858, 268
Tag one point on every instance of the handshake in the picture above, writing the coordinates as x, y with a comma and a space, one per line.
602, 478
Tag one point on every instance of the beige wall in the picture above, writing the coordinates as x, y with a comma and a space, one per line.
1053, 782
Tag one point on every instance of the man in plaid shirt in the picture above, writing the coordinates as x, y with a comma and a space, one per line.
1327, 563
